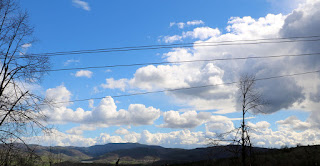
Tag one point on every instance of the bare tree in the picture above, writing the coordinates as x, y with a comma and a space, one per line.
250, 100
20, 109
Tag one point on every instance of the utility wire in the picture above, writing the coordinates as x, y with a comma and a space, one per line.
186, 61
177, 89
200, 44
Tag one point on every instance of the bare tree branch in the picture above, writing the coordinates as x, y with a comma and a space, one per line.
20, 113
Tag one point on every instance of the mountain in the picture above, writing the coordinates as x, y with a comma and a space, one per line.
140, 154
98, 150
136, 153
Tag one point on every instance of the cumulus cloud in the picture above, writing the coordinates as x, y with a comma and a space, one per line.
122, 131
171, 39
262, 125
261, 135
190, 119
284, 136
304, 21
103, 115
219, 124
84, 73
178, 139
81, 4
294, 123
201, 33
58, 96
58, 138
115, 84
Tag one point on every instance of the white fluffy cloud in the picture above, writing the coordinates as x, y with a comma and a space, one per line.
58, 96
81, 4
84, 73
104, 115
190, 119
294, 123
57, 138
261, 135
114, 84
178, 139
219, 125
266, 137
201, 33
171, 39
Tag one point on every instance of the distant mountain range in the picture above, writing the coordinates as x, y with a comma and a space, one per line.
134, 153
140, 154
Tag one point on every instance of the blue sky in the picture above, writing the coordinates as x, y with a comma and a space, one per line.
174, 119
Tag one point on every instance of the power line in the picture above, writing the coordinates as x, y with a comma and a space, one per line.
177, 89
186, 61
153, 47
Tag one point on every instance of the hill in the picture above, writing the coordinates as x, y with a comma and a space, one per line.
135, 153
140, 154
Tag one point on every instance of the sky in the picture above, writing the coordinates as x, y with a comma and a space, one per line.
184, 118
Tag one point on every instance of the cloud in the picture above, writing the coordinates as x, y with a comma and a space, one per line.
190, 119
219, 124
24, 48
262, 125
58, 95
108, 71
84, 73
91, 102
178, 139
66, 63
201, 33
284, 136
57, 138
81, 4
171, 39
261, 135
195, 22
294, 123
103, 115
181, 25
115, 84
182, 138
304, 21
122, 131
